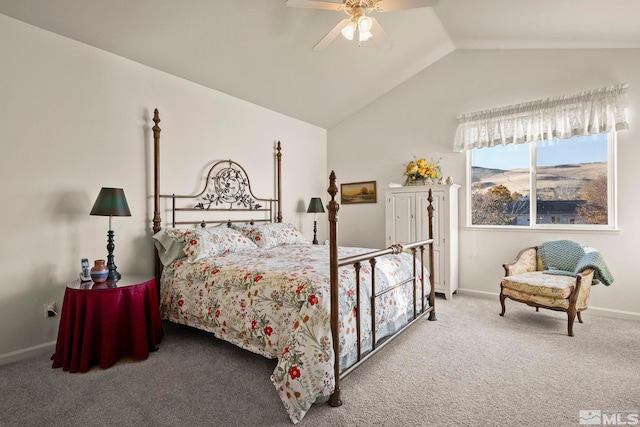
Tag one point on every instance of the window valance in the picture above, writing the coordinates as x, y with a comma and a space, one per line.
590, 112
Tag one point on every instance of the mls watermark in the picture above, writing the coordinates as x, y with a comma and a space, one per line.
597, 417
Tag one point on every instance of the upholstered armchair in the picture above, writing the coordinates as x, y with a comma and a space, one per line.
525, 281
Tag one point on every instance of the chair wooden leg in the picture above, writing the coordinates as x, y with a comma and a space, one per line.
580, 317
502, 298
571, 313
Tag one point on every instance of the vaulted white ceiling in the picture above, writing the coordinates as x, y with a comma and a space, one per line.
260, 50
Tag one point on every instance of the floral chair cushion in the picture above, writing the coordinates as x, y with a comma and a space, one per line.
538, 283
547, 289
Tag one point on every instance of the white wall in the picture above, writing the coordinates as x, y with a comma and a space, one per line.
74, 119
419, 118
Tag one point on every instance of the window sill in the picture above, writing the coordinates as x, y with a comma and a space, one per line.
541, 229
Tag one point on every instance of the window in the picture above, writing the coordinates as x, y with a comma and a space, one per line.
557, 152
571, 181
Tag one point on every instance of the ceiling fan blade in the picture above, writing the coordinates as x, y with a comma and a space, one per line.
379, 35
313, 4
391, 5
328, 38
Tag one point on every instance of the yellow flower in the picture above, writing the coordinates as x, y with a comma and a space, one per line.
421, 169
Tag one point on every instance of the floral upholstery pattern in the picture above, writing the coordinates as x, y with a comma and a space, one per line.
526, 262
538, 299
585, 290
276, 302
549, 296
200, 243
273, 234
526, 282
539, 283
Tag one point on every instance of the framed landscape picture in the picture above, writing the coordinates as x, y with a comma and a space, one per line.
358, 192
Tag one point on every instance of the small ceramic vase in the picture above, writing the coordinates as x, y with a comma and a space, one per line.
99, 271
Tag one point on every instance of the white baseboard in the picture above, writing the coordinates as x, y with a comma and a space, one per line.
41, 350
618, 314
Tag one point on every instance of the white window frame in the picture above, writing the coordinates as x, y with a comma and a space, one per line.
612, 195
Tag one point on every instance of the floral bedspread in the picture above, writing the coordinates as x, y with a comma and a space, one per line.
276, 302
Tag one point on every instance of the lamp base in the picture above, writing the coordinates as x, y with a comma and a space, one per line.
113, 276
315, 230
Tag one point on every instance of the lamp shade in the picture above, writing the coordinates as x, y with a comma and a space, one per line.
111, 202
315, 205
349, 30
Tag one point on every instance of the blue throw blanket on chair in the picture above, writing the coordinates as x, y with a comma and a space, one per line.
569, 258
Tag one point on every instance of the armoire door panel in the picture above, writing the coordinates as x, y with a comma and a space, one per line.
403, 223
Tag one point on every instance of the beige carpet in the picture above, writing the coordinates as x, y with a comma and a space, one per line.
469, 368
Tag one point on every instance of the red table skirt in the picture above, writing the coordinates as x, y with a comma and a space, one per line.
99, 326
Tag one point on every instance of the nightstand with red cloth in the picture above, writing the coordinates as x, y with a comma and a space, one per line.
100, 323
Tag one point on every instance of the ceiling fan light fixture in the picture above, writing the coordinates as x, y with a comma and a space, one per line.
358, 19
349, 30
364, 35
365, 24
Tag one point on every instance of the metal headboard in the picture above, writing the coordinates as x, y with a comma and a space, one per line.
227, 189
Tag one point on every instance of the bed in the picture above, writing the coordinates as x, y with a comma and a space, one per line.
255, 281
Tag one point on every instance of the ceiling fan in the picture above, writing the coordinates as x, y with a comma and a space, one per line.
359, 22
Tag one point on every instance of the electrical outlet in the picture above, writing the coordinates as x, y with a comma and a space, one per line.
50, 309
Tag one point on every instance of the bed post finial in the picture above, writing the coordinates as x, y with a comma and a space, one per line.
334, 207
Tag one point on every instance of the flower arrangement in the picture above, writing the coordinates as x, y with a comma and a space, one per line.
420, 170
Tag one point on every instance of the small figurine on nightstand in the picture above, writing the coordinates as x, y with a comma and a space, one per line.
85, 275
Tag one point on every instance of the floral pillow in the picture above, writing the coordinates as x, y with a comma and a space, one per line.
273, 234
200, 243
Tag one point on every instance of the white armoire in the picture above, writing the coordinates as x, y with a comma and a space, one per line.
407, 221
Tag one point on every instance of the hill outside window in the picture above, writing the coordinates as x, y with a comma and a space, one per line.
559, 152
